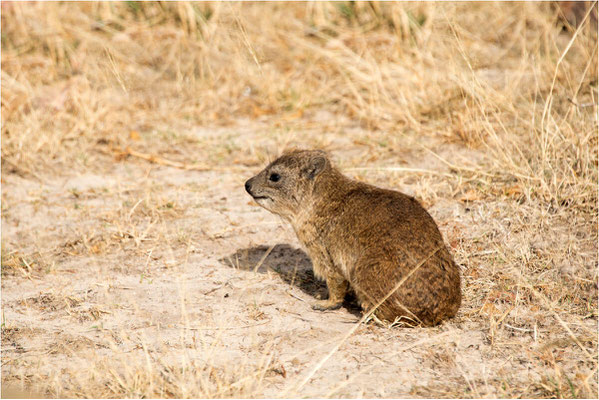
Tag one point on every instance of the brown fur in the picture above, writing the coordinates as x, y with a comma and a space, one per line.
363, 237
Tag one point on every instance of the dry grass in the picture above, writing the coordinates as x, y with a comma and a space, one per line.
489, 108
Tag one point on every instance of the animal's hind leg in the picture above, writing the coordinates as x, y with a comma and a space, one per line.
338, 286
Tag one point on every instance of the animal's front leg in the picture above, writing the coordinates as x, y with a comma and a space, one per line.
337, 286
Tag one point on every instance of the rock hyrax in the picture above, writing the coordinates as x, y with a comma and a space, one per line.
378, 242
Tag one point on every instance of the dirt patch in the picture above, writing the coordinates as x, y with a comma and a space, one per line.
293, 267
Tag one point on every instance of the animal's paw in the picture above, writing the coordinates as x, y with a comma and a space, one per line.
324, 305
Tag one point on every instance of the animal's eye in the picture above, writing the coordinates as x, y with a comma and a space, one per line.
274, 177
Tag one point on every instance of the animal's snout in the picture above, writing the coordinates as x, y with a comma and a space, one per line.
248, 186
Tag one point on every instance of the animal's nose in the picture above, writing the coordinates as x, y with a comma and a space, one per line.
248, 187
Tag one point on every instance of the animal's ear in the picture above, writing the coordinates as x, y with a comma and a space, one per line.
316, 165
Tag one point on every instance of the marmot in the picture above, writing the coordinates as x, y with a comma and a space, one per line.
378, 242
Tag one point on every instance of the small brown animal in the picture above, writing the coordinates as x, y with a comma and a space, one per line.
375, 241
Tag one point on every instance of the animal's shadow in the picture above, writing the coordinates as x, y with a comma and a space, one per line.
292, 265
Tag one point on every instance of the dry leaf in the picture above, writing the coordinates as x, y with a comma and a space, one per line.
513, 191
470, 195
295, 115
489, 309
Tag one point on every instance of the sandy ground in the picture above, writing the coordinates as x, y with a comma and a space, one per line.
140, 267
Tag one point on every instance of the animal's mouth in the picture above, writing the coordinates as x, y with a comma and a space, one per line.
260, 197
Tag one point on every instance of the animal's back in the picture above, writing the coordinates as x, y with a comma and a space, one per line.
394, 238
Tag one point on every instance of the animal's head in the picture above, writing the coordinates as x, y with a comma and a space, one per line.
286, 184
